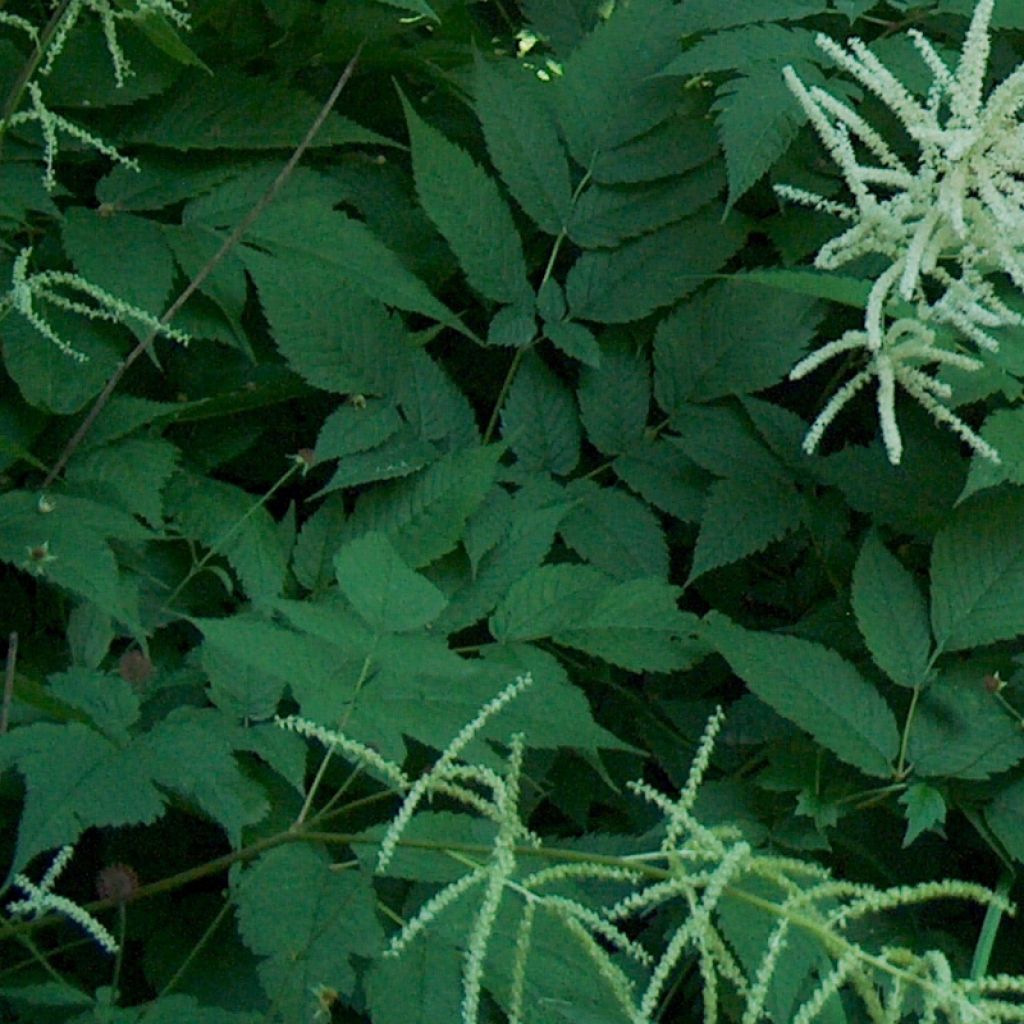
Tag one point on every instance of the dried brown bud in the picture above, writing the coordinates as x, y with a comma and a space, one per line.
117, 882
135, 667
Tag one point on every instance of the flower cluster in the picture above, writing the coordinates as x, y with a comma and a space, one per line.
41, 900
945, 224
29, 291
694, 867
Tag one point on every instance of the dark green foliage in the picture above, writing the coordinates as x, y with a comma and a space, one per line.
497, 384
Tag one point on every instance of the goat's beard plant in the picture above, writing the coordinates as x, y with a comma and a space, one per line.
683, 882
945, 225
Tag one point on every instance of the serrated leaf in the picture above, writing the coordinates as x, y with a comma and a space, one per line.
192, 752
743, 515
68, 547
131, 473
730, 339
308, 923
815, 689
574, 340
229, 521
891, 614
1004, 430
977, 572
469, 211
615, 398
562, 22
757, 120
708, 15
317, 544
719, 439
539, 420
110, 701
959, 731
655, 270
618, 534
637, 625
92, 783
926, 808
523, 142
606, 215
144, 281
546, 600
385, 592
671, 148
1005, 816
242, 112
745, 48
423, 516
605, 95
334, 338
311, 249
661, 474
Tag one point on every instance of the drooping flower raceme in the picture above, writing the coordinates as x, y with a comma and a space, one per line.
945, 224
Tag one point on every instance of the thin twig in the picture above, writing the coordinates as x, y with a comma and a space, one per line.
12, 658
229, 243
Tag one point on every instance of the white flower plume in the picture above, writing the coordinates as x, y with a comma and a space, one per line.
948, 221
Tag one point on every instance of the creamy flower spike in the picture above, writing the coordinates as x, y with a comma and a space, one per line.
951, 220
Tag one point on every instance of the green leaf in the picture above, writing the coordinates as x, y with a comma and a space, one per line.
615, 398
423, 515
959, 731
229, 521
93, 783
469, 211
606, 95
926, 809
562, 22
308, 923
546, 600
815, 689
730, 339
386, 593
977, 572
672, 148
522, 140
616, 533
574, 340
743, 515
317, 544
605, 215
416, 6
746, 48
67, 545
720, 440
46, 377
637, 625
539, 420
311, 248
335, 338
891, 614
1004, 430
707, 15
110, 702
145, 280
130, 473
322, 673
655, 270
241, 112
192, 752
757, 120
661, 474
1005, 816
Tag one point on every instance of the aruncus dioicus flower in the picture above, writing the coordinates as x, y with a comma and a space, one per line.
946, 224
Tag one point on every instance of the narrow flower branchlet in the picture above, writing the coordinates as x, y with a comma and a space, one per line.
947, 222
109, 16
40, 899
695, 867
28, 292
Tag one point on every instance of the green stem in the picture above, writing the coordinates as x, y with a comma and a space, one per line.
990, 927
